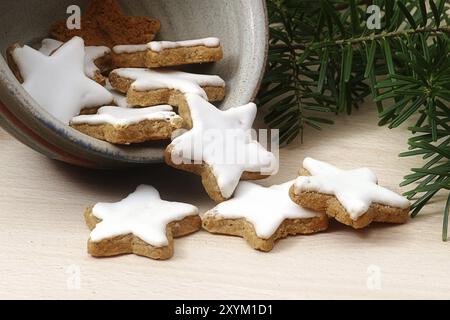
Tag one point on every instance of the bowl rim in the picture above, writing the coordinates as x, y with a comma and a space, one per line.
24, 119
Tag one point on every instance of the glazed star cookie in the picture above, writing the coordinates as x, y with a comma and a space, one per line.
145, 87
58, 82
168, 53
174, 53
126, 125
220, 148
262, 216
353, 197
142, 224
105, 24
97, 59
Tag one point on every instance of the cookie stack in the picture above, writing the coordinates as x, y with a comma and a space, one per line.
102, 81
117, 53
140, 86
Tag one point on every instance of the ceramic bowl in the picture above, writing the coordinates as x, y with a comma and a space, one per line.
240, 24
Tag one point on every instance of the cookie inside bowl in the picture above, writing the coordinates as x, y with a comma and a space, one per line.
241, 28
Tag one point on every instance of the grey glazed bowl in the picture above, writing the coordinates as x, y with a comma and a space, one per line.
240, 24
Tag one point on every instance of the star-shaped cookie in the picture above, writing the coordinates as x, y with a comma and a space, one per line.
58, 82
142, 224
105, 24
148, 87
262, 215
220, 148
96, 60
352, 197
157, 54
129, 125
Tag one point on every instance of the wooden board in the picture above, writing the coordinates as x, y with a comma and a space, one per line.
43, 235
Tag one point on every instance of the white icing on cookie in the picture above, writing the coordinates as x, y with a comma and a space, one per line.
142, 214
264, 208
130, 48
117, 116
223, 140
158, 46
150, 79
355, 189
58, 82
48, 46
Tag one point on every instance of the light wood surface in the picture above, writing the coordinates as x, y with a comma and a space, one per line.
43, 235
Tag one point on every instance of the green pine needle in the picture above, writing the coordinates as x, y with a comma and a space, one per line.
323, 60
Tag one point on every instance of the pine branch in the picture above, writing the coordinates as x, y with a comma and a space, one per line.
372, 37
323, 60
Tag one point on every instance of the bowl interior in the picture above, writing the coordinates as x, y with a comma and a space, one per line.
240, 24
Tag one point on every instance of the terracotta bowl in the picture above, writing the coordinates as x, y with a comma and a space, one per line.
240, 24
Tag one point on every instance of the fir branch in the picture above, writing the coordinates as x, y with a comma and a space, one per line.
324, 60
372, 37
